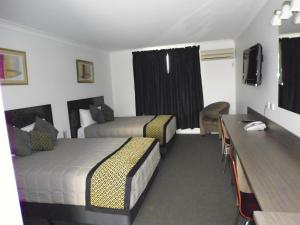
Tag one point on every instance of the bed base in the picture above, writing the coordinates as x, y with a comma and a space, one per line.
79, 214
166, 148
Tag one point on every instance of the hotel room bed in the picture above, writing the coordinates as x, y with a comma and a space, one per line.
59, 184
125, 127
119, 127
59, 176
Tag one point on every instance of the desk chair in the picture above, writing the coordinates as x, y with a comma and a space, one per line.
226, 145
246, 200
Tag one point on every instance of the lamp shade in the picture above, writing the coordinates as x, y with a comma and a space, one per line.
297, 18
295, 6
286, 12
275, 20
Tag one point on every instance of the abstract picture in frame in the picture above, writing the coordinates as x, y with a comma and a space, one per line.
13, 67
85, 71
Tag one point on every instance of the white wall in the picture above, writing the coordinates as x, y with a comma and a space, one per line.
52, 72
10, 211
122, 83
218, 78
261, 31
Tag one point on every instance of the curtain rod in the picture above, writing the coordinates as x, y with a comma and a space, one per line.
166, 47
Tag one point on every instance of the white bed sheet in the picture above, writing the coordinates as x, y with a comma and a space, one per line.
80, 133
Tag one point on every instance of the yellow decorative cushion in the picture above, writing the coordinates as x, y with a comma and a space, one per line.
41, 141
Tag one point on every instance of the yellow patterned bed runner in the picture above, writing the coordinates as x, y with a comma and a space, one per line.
106, 182
156, 128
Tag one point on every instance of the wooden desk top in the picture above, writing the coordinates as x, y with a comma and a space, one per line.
276, 218
271, 160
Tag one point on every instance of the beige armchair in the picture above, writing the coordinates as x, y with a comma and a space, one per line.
209, 117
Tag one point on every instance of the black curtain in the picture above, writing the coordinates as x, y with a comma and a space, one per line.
151, 82
289, 90
177, 91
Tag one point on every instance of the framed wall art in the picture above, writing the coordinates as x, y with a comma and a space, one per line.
85, 71
13, 67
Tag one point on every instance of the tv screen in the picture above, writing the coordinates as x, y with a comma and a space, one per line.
252, 63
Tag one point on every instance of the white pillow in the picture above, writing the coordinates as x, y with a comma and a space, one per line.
28, 128
85, 117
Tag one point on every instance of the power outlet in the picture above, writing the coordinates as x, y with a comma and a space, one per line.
269, 105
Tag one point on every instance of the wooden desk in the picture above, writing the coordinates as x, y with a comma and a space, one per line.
276, 218
271, 160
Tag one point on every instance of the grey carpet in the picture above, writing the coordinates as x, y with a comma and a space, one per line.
190, 188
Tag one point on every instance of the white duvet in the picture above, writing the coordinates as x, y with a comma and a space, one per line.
132, 126
59, 176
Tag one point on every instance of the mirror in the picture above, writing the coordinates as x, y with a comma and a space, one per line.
289, 66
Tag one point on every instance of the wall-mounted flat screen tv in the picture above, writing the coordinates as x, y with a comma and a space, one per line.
252, 65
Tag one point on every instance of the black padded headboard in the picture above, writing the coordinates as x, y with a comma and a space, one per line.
25, 116
73, 111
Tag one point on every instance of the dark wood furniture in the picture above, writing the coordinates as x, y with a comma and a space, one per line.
73, 110
25, 116
271, 161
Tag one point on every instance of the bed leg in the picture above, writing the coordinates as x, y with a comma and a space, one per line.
163, 152
50, 222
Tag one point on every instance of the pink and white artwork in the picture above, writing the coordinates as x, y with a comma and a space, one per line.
13, 69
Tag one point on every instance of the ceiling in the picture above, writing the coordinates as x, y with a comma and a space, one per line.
131, 24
